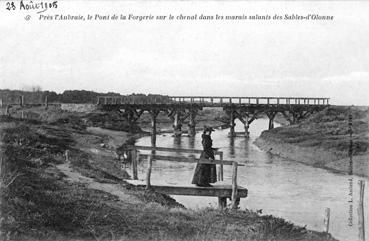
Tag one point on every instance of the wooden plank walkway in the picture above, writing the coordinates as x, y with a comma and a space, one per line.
219, 189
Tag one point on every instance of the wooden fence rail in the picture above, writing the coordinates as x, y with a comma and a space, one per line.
150, 157
134, 150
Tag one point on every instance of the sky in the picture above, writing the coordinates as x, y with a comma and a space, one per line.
221, 58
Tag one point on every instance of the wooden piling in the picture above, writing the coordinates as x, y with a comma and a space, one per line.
360, 212
135, 157
148, 173
177, 124
153, 127
1, 102
234, 186
192, 123
327, 219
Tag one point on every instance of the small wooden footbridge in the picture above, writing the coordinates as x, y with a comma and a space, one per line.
220, 189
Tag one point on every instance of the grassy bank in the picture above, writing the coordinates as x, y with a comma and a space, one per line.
46, 196
323, 140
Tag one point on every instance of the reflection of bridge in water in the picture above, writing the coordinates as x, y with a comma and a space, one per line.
246, 109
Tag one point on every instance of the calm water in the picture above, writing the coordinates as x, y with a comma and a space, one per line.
282, 188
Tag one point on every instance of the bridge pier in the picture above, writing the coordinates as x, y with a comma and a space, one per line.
177, 123
153, 114
271, 115
247, 126
192, 123
131, 115
232, 123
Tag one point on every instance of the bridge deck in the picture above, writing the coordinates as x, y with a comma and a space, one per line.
219, 189
213, 101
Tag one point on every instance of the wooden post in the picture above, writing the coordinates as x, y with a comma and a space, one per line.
271, 120
220, 171
134, 163
222, 203
153, 114
234, 186
327, 219
148, 173
1, 102
360, 212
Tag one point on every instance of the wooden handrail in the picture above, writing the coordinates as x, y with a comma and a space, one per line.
188, 159
216, 100
150, 148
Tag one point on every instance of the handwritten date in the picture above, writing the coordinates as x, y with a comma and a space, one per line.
31, 5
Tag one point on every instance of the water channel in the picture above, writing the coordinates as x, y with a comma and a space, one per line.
283, 188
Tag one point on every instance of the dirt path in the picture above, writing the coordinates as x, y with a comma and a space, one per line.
114, 189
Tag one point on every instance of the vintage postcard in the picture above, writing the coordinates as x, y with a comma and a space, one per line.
184, 120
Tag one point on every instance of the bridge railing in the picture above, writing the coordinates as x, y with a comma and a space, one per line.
214, 100
250, 100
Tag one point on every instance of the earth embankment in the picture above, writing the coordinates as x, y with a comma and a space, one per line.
324, 140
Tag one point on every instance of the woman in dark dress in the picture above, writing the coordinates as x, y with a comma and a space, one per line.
205, 173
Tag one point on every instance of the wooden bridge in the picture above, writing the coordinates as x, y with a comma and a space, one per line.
221, 189
180, 108
211, 101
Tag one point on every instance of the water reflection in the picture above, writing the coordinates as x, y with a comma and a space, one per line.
231, 146
191, 142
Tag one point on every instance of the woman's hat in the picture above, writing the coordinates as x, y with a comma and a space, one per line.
208, 128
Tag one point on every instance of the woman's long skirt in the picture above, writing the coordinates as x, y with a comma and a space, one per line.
204, 174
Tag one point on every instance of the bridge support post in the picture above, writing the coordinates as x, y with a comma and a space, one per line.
192, 123
177, 124
132, 115
153, 114
247, 126
271, 116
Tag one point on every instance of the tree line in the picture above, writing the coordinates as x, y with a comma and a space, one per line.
68, 96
